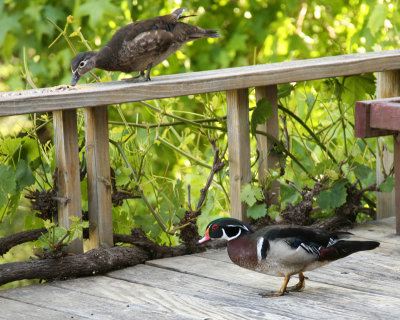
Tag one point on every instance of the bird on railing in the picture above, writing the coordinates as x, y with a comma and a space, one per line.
140, 46
282, 250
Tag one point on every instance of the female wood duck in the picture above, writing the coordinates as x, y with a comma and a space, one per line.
282, 250
140, 46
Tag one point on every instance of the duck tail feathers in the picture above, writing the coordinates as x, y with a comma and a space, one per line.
343, 248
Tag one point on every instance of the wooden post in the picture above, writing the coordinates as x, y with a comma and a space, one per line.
99, 180
239, 148
68, 180
388, 85
264, 145
396, 142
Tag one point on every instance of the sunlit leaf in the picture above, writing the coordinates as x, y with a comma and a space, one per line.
333, 197
257, 211
377, 18
261, 113
364, 173
250, 194
388, 185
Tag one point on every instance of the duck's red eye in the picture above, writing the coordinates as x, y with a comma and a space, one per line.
214, 227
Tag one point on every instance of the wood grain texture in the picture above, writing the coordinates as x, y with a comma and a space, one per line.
362, 122
385, 116
239, 148
78, 304
320, 297
12, 309
62, 98
99, 180
67, 163
387, 85
396, 160
268, 160
136, 288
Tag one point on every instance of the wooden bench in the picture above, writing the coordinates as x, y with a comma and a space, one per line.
94, 98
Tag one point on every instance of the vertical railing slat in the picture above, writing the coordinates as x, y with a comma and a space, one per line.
68, 178
264, 144
239, 148
396, 142
99, 180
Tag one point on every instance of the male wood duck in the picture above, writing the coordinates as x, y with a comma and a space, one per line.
282, 250
140, 46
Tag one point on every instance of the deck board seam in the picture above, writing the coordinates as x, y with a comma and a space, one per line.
296, 295
274, 310
44, 307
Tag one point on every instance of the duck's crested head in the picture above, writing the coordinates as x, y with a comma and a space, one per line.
225, 228
82, 63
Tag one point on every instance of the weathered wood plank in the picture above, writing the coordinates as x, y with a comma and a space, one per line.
239, 148
396, 141
11, 309
362, 122
67, 163
385, 116
163, 301
387, 85
226, 291
264, 145
319, 297
79, 304
99, 180
62, 98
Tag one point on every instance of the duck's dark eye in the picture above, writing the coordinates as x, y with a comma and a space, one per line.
82, 64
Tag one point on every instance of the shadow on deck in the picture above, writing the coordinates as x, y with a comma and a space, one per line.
365, 285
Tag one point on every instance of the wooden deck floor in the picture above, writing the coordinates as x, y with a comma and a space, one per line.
365, 285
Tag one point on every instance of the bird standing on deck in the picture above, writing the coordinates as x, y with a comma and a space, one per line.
140, 46
282, 250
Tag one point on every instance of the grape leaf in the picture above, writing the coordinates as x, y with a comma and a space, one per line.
257, 211
388, 185
23, 175
250, 194
364, 173
261, 113
333, 197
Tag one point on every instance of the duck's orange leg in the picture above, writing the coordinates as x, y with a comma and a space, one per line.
281, 292
300, 285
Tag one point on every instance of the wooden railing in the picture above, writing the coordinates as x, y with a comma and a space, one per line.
94, 98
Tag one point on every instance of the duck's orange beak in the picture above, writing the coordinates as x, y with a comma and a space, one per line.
205, 238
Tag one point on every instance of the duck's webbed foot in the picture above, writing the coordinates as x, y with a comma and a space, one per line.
300, 285
282, 292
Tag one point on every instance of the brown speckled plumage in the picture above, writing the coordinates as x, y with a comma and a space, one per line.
140, 46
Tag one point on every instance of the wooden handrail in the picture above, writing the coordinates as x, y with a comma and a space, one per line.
106, 93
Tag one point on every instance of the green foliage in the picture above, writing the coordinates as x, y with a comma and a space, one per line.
58, 237
257, 211
364, 174
388, 185
253, 196
250, 194
261, 113
334, 196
